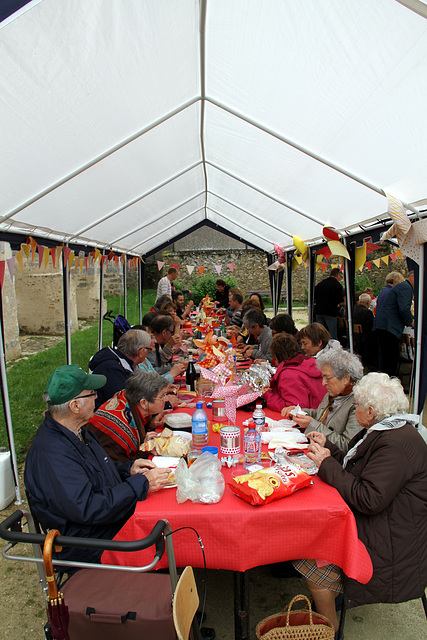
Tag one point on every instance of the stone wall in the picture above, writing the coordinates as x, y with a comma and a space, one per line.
10, 309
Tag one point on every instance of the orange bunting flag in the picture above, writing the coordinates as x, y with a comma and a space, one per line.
104, 259
201, 269
85, 261
33, 248
323, 266
20, 259
26, 248
2, 269
135, 261
399, 253
116, 260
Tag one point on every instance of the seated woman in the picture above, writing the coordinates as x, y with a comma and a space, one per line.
383, 479
315, 339
125, 421
297, 379
283, 323
335, 416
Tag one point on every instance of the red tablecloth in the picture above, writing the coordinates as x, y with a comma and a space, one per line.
314, 522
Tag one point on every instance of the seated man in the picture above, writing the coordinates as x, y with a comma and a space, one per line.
221, 294
235, 301
73, 486
162, 327
182, 309
255, 323
121, 424
117, 364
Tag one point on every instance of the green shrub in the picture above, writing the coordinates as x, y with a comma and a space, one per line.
362, 281
206, 285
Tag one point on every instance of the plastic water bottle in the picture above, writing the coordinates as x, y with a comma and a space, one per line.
252, 446
199, 423
259, 418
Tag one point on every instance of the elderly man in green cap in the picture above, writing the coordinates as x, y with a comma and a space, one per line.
72, 484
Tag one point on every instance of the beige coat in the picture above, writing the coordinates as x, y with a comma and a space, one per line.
341, 424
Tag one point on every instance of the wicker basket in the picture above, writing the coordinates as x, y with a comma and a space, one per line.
302, 624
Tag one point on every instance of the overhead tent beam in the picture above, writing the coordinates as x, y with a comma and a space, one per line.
249, 213
416, 6
66, 302
267, 195
98, 159
181, 204
306, 152
167, 229
203, 93
101, 298
135, 200
234, 223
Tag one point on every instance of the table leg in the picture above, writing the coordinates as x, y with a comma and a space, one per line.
241, 605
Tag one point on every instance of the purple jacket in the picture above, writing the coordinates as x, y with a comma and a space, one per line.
296, 381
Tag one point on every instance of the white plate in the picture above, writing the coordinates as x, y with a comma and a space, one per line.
178, 420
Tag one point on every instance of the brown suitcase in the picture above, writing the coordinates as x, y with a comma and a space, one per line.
111, 605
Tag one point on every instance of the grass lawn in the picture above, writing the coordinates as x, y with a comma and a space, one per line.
27, 378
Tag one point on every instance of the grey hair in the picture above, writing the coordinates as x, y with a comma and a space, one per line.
59, 410
343, 363
144, 385
253, 317
364, 297
132, 341
384, 394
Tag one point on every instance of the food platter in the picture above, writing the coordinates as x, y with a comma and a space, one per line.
178, 421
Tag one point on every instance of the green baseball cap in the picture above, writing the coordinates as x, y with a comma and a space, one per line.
69, 381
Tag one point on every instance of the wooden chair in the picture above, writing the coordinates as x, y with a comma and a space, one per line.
185, 603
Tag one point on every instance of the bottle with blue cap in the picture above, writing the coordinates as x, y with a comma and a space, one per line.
199, 427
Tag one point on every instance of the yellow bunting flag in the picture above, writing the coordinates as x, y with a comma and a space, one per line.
33, 248
360, 257
26, 248
385, 259
46, 254
377, 262
70, 259
20, 259
301, 247
295, 264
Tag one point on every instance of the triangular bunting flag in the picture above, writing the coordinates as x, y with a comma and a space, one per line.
59, 252
70, 259
295, 265
393, 257
160, 265
65, 254
377, 262
53, 254
40, 251
399, 253
301, 247
385, 259
218, 268
81, 266
368, 265
175, 266
230, 265
201, 269
360, 257
323, 266
97, 255
104, 259
317, 265
85, 260
46, 255
2, 269
20, 259
26, 248
190, 269
11, 266
116, 260
33, 248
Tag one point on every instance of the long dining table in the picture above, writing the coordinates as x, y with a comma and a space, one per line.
313, 522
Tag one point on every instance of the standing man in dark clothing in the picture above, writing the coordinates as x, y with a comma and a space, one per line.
328, 296
221, 295
392, 317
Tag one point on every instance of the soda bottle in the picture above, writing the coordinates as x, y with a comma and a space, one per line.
199, 424
251, 446
190, 375
259, 418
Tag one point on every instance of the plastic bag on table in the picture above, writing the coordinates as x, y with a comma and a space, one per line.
202, 482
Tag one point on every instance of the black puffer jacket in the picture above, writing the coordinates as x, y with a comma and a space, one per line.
385, 485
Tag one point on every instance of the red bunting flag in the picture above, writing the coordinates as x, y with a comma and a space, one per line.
66, 254
2, 268
53, 254
368, 265
393, 256
33, 244
175, 266
85, 261
323, 266
324, 252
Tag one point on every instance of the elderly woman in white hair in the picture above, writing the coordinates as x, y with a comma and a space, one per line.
383, 479
335, 416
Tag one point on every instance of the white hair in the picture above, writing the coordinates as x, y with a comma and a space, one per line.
343, 363
384, 394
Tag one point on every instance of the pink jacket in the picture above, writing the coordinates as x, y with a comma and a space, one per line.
296, 381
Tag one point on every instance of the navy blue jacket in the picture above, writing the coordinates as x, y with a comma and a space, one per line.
116, 367
395, 312
75, 487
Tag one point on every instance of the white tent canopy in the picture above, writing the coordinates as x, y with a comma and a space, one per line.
127, 123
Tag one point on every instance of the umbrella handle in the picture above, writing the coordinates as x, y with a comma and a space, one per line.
48, 564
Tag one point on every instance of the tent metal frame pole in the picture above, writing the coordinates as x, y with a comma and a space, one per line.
289, 283
99, 158
125, 286
305, 151
101, 300
418, 348
141, 269
267, 195
203, 94
310, 286
349, 310
6, 407
134, 201
174, 224
66, 299
181, 204
249, 213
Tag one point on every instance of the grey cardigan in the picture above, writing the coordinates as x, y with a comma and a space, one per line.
341, 424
